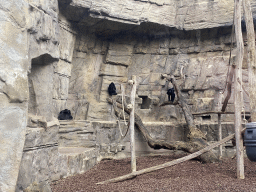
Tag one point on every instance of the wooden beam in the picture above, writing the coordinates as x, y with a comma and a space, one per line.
216, 112
251, 59
132, 137
168, 164
220, 134
238, 90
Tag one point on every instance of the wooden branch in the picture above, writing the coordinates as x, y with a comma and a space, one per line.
155, 144
197, 140
216, 112
251, 59
238, 90
132, 134
162, 98
229, 86
168, 164
194, 132
243, 87
220, 135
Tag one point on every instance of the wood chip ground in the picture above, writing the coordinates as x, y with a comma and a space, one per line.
188, 176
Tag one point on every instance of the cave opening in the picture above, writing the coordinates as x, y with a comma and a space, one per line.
146, 102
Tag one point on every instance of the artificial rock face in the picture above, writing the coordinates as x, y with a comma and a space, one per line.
60, 55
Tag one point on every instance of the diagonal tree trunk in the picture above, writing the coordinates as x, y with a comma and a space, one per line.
251, 59
197, 139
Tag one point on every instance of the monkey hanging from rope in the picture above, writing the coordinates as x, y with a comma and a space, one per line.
171, 94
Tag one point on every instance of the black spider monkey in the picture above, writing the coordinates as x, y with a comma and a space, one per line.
171, 92
65, 115
112, 89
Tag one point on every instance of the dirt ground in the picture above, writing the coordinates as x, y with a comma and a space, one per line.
188, 176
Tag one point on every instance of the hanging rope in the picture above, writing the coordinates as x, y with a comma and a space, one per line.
122, 89
230, 52
244, 119
122, 135
118, 121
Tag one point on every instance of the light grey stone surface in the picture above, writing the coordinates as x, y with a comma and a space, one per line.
41, 137
12, 140
76, 160
43, 186
43, 28
13, 89
64, 54
67, 42
188, 15
41, 88
38, 166
77, 134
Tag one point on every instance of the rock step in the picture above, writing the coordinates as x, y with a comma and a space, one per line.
77, 160
74, 123
76, 134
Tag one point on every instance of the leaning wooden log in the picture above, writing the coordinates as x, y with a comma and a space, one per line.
229, 86
238, 97
155, 144
196, 137
168, 164
190, 146
132, 132
194, 132
251, 59
219, 112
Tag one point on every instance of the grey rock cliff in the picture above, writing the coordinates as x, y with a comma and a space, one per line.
63, 54
182, 14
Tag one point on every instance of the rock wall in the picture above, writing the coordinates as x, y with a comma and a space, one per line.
13, 89
64, 54
30, 54
40, 160
182, 14
62, 68
198, 59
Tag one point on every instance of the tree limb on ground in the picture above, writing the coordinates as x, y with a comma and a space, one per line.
168, 164
155, 144
189, 147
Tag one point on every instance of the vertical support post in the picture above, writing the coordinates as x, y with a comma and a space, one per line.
220, 134
238, 90
132, 137
219, 122
251, 59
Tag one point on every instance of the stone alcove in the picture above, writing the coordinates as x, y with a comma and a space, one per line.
40, 81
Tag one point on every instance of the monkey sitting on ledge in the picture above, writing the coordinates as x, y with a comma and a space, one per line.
65, 115
171, 94
112, 89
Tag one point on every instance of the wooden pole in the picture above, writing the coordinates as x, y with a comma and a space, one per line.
132, 137
220, 134
168, 164
219, 122
251, 59
238, 90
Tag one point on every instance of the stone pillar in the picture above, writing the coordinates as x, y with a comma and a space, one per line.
13, 89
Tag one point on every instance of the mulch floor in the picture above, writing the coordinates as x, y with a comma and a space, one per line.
188, 176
